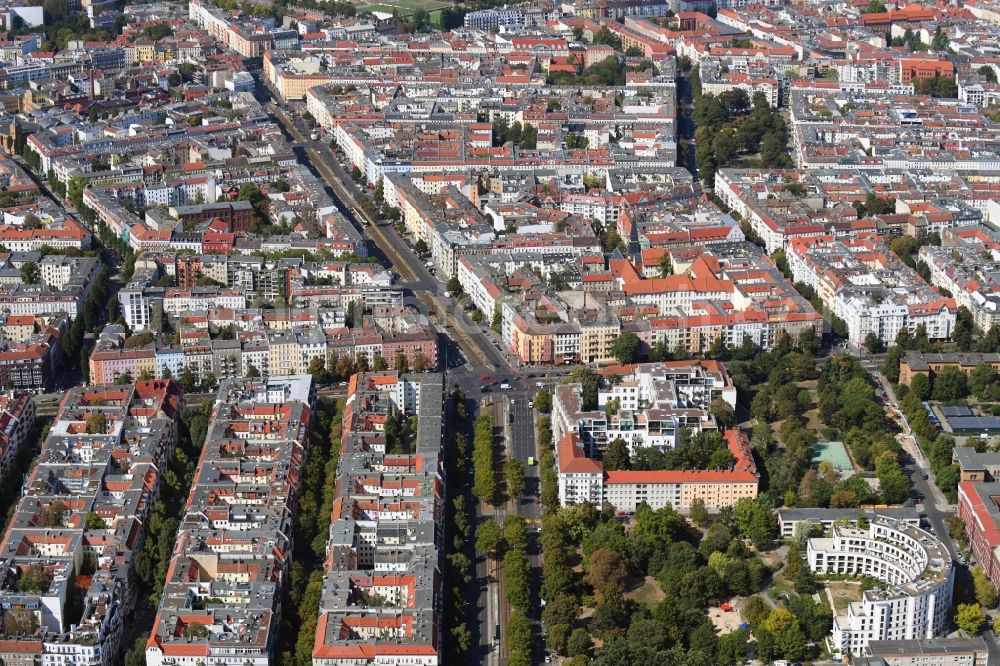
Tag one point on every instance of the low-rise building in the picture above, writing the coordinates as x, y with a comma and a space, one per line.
956, 651
928, 364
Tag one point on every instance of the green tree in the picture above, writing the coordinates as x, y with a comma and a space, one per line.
920, 386
515, 531
698, 513
488, 537
891, 366
557, 638
30, 274
454, 286
986, 594
97, 424
590, 385
732, 647
74, 190
874, 344
543, 401
949, 384
617, 456
723, 412
514, 476
94, 522
496, 322
579, 643
982, 381
755, 521
940, 41
517, 584
970, 618
786, 638
136, 656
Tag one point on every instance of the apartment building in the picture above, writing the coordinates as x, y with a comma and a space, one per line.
381, 592
862, 281
968, 268
650, 406
275, 342
33, 364
106, 447
487, 19
583, 479
293, 75
916, 568
791, 521
17, 417
234, 542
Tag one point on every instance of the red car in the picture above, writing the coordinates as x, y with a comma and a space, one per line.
485, 378
494, 382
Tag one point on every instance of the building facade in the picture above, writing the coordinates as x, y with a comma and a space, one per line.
915, 567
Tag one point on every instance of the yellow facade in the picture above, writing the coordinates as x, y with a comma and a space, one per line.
716, 494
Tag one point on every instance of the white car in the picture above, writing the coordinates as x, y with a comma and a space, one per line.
504, 386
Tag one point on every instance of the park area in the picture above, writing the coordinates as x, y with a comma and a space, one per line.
402, 7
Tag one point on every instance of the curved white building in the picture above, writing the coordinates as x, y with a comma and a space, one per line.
914, 565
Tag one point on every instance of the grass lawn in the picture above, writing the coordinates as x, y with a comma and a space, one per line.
403, 7
647, 592
778, 587
813, 421
843, 592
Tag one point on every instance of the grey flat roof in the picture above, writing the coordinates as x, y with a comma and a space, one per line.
955, 411
819, 515
927, 646
974, 423
968, 458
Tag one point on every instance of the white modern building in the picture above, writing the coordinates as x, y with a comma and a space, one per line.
915, 567
650, 405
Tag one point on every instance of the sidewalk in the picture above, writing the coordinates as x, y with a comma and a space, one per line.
909, 443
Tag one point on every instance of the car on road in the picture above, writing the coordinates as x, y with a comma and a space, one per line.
504, 386
485, 378
531, 404
485, 389
494, 383
531, 460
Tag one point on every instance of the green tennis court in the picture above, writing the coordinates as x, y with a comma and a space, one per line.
834, 452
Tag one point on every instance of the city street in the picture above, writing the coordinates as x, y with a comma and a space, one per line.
473, 361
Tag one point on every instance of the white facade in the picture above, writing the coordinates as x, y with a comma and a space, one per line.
914, 565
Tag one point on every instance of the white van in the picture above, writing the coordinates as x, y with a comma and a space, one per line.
504, 387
